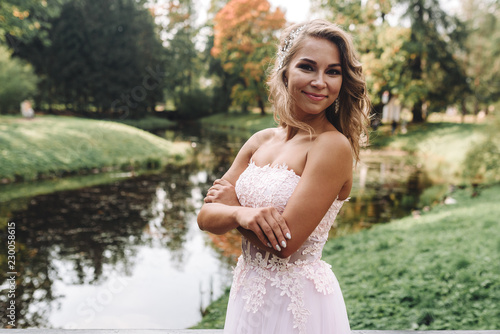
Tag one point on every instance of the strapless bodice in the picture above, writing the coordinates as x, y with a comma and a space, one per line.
272, 186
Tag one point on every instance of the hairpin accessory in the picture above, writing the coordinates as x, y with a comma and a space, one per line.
337, 106
282, 53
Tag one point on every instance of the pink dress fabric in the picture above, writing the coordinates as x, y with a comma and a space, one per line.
271, 295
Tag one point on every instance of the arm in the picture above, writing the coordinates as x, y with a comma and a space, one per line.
222, 212
326, 176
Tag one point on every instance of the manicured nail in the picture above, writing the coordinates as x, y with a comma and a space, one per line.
288, 236
269, 245
278, 248
283, 243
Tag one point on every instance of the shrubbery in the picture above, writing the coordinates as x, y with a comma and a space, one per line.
482, 161
18, 82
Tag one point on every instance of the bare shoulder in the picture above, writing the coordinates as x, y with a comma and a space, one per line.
263, 136
332, 144
330, 162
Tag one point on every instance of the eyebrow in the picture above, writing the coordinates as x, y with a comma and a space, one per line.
315, 63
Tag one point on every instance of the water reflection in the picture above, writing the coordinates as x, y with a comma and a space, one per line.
80, 253
386, 186
130, 255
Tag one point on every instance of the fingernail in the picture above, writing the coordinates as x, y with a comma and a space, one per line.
269, 245
278, 248
288, 236
283, 243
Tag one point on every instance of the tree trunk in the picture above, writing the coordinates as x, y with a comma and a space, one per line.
463, 109
261, 105
418, 116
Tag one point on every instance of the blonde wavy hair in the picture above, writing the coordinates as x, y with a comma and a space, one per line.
354, 104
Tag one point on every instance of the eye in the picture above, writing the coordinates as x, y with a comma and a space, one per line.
305, 67
333, 71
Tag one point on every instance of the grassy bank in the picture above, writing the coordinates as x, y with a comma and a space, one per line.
49, 146
148, 123
436, 271
441, 147
238, 122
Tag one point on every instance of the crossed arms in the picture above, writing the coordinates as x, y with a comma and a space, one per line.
327, 175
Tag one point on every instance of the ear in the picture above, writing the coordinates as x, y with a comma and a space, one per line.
285, 80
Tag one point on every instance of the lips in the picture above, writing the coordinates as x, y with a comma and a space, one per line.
315, 97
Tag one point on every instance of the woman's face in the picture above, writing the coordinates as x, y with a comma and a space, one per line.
314, 76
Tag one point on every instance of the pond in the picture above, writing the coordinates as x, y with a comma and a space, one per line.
129, 254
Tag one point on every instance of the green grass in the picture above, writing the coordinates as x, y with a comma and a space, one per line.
51, 146
438, 271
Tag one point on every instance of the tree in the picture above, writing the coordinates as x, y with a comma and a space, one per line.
436, 76
18, 82
416, 60
244, 41
23, 20
104, 57
378, 43
481, 60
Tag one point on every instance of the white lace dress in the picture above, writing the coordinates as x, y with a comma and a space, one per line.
271, 295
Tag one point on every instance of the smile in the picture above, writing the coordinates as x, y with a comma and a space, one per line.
315, 97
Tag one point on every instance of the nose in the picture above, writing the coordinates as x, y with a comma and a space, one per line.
318, 82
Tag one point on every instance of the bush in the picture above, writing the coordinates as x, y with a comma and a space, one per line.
18, 82
482, 161
194, 104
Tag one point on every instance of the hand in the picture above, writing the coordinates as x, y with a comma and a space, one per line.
266, 223
222, 192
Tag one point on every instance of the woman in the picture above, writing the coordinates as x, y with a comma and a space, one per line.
287, 184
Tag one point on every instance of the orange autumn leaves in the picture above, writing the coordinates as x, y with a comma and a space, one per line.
245, 35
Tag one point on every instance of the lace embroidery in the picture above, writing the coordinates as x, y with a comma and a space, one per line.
273, 186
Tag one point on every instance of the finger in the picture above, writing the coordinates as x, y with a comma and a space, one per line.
282, 223
276, 230
262, 238
259, 227
270, 232
217, 181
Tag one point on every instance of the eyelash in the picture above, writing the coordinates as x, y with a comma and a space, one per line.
308, 67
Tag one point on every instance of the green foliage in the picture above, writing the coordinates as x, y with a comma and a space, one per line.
215, 314
482, 57
482, 161
103, 56
194, 104
18, 82
148, 123
433, 195
24, 20
183, 67
58, 146
418, 63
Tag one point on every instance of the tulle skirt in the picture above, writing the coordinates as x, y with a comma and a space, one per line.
308, 312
